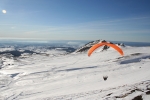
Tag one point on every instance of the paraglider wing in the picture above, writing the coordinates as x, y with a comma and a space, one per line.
94, 47
116, 48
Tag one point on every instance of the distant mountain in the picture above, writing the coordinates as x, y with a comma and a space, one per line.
87, 46
17, 50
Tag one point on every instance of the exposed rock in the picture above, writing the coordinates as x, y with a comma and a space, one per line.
138, 98
148, 92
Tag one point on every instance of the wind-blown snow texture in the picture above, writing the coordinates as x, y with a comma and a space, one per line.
53, 74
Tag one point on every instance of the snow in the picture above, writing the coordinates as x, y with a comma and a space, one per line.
75, 76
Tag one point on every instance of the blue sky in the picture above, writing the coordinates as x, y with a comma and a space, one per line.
115, 20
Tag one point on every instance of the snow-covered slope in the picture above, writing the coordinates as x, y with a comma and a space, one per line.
76, 76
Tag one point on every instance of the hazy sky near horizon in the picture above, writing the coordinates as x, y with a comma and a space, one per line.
116, 20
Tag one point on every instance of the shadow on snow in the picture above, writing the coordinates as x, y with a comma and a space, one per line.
134, 60
74, 69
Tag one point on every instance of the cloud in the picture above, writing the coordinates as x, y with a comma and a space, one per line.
31, 32
13, 27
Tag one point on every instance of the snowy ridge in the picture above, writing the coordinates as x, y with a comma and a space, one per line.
87, 46
75, 76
